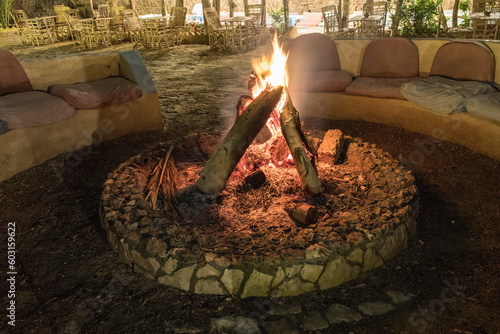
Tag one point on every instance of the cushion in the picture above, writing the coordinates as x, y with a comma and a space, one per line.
33, 108
320, 81
312, 19
464, 61
391, 57
97, 94
443, 95
313, 52
378, 87
13, 79
487, 106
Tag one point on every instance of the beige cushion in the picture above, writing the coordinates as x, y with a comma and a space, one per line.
97, 94
32, 108
487, 106
391, 57
378, 87
312, 52
464, 61
13, 79
320, 81
443, 95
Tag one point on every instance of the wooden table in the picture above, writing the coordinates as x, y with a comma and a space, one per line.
485, 27
367, 26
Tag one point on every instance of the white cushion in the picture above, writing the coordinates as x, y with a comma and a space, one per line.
442, 95
487, 106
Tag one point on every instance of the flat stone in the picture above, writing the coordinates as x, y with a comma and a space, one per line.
279, 327
293, 287
314, 321
394, 243
356, 256
154, 263
292, 271
207, 271
286, 309
258, 285
181, 279
208, 286
399, 297
280, 274
371, 260
170, 266
311, 272
337, 272
375, 308
209, 257
232, 279
222, 261
141, 261
234, 325
315, 251
340, 313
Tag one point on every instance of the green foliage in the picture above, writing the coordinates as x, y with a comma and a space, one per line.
419, 17
278, 16
4, 12
464, 6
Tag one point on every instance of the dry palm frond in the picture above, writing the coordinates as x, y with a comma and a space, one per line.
163, 181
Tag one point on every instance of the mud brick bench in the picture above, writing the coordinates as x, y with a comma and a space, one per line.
367, 79
49, 107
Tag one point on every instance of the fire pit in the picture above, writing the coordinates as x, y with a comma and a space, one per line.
270, 214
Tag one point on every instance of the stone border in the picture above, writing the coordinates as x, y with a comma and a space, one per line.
123, 209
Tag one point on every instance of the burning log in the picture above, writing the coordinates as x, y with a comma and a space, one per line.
290, 126
226, 156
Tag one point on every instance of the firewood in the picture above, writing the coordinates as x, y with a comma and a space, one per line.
305, 168
305, 213
226, 156
256, 179
330, 149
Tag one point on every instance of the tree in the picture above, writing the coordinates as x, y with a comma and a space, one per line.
5, 6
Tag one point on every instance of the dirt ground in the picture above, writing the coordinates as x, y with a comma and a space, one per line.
69, 281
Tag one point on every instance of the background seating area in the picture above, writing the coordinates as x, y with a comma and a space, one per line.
471, 118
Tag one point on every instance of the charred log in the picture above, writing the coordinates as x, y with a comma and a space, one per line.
290, 126
226, 156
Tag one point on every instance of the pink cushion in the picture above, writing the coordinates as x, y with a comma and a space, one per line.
97, 94
464, 61
391, 57
33, 108
378, 87
312, 19
320, 81
313, 52
13, 79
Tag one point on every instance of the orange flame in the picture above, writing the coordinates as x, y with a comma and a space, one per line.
272, 71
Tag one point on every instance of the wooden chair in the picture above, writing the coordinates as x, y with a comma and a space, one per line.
258, 12
62, 28
217, 34
117, 27
19, 16
134, 27
377, 8
485, 28
95, 34
331, 20
457, 32
177, 24
75, 26
103, 11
